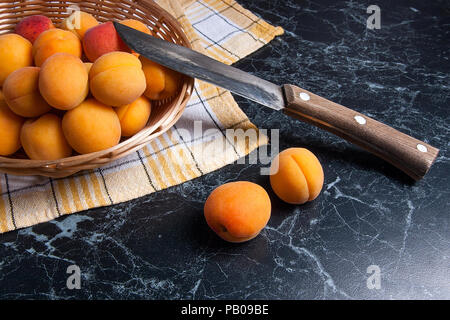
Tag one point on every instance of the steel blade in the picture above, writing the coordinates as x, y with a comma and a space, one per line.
199, 66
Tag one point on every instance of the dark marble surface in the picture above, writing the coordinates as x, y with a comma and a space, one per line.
159, 246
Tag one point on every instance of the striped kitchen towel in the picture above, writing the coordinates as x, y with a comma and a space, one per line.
196, 145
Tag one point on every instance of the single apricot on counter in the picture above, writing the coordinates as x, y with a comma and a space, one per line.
15, 53
116, 79
21, 93
162, 82
43, 138
91, 126
78, 23
63, 81
238, 211
10, 125
31, 27
55, 41
296, 175
134, 116
102, 39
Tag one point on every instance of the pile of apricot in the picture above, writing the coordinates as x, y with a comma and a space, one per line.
74, 88
238, 211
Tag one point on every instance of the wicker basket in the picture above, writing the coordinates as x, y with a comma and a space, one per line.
164, 113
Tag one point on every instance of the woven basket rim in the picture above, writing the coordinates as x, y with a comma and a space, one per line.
168, 28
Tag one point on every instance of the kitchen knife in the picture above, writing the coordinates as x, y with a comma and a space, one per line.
410, 155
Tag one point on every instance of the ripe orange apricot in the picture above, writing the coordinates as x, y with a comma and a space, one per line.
63, 81
15, 53
117, 79
91, 126
296, 175
237, 211
134, 116
21, 92
78, 23
162, 82
53, 41
102, 39
31, 27
10, 125
43, 138
136, 24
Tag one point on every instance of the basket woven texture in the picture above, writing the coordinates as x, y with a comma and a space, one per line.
164, 113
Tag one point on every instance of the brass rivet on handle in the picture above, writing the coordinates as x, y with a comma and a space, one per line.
421, 148
304, 96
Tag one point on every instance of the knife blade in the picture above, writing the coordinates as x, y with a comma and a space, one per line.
202, 67
412, 156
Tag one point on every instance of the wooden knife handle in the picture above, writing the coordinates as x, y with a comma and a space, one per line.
412, 156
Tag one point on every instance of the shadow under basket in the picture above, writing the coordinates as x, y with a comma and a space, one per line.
164, 113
